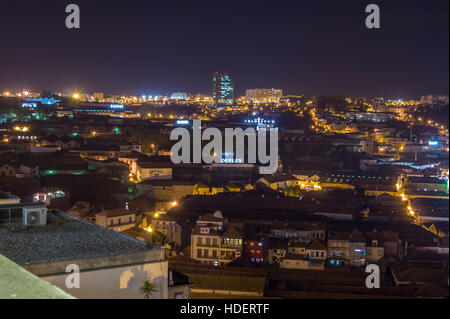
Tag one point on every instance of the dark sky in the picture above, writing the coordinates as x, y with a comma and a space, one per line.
158, 47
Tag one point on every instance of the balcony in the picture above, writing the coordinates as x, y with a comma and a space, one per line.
207, 245
229, 255
234, 247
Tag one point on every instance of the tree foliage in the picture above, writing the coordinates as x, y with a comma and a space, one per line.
333, 102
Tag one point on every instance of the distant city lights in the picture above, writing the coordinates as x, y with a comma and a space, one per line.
116, 106
29, 105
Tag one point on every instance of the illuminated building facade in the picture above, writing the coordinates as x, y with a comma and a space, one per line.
179, 96
41, 100
214, 242
222, 88
99, 97
433, 99
264, 95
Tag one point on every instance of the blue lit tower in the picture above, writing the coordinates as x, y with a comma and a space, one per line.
222, 88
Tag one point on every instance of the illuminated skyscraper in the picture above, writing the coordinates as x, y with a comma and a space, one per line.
222, 88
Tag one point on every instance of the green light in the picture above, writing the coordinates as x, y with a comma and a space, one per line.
50, 172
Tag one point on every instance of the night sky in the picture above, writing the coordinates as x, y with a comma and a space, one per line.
159, 47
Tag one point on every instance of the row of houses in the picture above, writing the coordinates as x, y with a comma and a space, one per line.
374, 185
299, 245
43, 161
317, 181
341, 248
214, 240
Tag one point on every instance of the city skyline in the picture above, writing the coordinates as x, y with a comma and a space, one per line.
310, 49
246, 154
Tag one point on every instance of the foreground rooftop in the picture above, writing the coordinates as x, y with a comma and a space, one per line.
62, 239
18, 283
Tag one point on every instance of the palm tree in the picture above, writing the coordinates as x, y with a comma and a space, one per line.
147, 288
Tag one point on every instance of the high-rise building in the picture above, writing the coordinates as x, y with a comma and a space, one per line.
264, 95
222, 88
434, 99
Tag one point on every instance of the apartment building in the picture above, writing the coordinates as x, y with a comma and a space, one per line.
316, 250
374, 246
118, 219
277, 250
304, 231
255, 248
356, 248
214, 242
175, 229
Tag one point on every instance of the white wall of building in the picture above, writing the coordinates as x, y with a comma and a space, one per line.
117, 282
